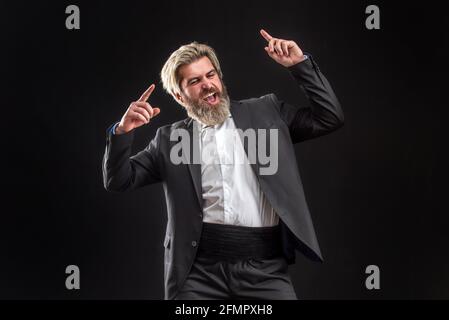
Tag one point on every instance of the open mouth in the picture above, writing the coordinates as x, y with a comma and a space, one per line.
211, 98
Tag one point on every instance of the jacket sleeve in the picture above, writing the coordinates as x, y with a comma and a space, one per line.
122, 172
324, 114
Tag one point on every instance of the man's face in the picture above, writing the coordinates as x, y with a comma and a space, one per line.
203, 94
200, 81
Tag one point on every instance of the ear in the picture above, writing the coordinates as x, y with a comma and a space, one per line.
178, 97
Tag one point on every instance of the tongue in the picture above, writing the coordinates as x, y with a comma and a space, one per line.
211, 99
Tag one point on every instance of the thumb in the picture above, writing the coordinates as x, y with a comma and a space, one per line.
267, 49
156, 111
271, 54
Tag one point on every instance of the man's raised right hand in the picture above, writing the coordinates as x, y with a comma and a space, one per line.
139, 113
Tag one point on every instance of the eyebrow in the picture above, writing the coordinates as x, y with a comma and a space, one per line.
212, 70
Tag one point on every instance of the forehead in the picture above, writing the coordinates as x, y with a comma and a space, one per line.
197, 68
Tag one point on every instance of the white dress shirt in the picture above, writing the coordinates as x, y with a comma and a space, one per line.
231, 191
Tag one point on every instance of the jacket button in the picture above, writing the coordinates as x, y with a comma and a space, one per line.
194, 243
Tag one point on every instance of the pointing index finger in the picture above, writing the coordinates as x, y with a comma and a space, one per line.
266, 35
147, 93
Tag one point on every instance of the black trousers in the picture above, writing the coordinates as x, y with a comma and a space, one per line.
238, 263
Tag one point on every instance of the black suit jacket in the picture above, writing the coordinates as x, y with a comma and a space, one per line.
182, 182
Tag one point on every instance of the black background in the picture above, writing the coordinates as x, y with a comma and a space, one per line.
376, 188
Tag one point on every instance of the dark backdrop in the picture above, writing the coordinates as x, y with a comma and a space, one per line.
376, 188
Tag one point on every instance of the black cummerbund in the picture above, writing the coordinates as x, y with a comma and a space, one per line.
229, 242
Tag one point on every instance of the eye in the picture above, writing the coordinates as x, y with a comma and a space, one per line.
210, 75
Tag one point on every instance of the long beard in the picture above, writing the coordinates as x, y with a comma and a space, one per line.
209, 115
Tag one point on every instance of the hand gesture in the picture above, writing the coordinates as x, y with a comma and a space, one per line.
139, 113
284, 52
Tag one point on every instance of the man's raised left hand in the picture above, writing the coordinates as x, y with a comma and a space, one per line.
284, 52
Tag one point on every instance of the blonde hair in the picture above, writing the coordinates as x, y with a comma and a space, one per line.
185, 55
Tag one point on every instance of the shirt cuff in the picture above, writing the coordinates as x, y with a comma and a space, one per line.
112, 130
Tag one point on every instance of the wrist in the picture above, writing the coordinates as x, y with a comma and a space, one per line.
304, 57
301, 59
119, 129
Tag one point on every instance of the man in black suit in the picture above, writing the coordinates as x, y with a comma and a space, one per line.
233, 227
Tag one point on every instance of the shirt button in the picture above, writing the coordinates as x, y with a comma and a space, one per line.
194, 243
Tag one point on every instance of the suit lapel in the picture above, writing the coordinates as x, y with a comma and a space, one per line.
193, 163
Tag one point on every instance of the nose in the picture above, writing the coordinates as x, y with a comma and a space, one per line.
206, 85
